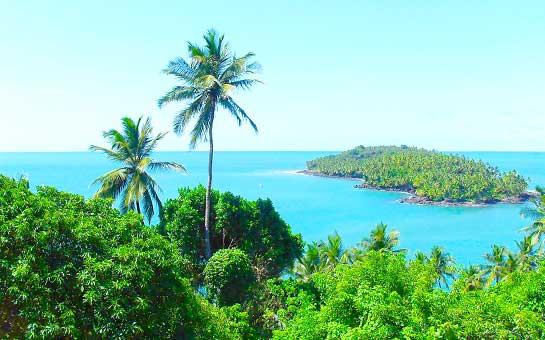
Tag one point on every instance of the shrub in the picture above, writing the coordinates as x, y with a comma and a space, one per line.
228, 275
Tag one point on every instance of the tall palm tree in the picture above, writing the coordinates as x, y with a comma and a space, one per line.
380, 240
132, 147
442, 263
208, 80
496, 267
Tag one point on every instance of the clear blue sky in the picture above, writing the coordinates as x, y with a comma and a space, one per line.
450, 75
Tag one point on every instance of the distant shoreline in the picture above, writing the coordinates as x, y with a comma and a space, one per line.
317, 174
413, 198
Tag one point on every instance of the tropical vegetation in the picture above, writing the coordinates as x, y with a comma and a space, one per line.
209, 79
76, 268
434, 175
132, 183
254, 227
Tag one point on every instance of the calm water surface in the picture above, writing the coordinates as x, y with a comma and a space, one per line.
313, 206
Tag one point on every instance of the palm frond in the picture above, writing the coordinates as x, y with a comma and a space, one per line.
150, 144
245, 84
182, 119
166, 166
130, 130
239, 68
113, 136
112, 183
181, 69
199, 132
197, 55
147, 205
142, 165
111, 154
135, 190
178, 93
237, 112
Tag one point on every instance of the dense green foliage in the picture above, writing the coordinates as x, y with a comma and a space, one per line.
384, 296
228, 276
76, 268
430, 174
372, 291
375, 292
254, 227
132, 148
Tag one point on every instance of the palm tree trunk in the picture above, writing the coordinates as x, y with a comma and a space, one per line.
138, 206
208, 203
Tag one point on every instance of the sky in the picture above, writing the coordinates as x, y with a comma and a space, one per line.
447, 75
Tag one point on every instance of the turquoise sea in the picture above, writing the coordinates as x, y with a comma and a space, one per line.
313, 206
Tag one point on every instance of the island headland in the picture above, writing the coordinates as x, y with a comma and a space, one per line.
427, 177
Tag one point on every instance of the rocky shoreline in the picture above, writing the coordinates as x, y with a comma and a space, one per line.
413, 198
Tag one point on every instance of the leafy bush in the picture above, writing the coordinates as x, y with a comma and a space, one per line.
228, 275
76, 268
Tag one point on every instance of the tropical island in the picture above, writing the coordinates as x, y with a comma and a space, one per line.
430, 177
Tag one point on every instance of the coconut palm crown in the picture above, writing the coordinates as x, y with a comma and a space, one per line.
381, 240
208, 80
132, 183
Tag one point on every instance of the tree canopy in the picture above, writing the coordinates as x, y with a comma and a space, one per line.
76, 268
254, 227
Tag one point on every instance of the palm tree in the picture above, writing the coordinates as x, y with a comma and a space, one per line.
511, 263
472, 277
421, 257
526, 256
332, 252
442, 264
309, 263
208, 81
536, 211
496, 269
380, 240
132, 147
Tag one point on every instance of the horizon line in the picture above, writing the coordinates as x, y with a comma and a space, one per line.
205, 151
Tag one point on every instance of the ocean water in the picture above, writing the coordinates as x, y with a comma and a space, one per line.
313, 206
